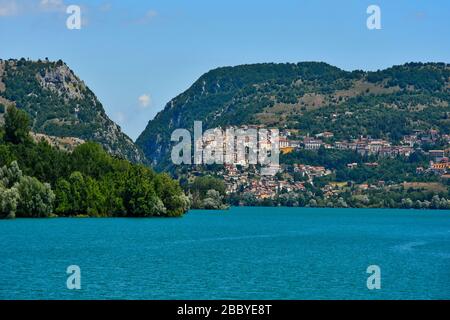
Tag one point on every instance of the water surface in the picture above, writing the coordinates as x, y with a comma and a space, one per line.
243, 253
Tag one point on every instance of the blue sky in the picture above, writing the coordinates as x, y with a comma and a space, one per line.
137, 55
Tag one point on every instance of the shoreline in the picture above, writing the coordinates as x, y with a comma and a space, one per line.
200, 211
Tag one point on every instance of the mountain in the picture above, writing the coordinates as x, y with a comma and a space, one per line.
312, 97
61, 105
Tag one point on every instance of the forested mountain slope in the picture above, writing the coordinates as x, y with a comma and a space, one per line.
310, 96
61, 105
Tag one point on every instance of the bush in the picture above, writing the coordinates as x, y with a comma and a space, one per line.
213, 200
36, 199
87, 181
8, 202
9, 176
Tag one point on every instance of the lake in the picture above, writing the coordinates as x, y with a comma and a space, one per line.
242, 253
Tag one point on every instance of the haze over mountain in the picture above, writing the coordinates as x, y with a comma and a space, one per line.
310, 96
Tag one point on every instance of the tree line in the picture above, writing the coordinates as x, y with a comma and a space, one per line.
40, 180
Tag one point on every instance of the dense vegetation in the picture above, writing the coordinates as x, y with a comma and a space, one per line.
60, 104
332, 159
390, 170
207, 192
391, 183
380, 116
37, 180
395, 197
431, 77
312, 97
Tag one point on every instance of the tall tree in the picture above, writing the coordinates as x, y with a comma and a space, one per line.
17, 126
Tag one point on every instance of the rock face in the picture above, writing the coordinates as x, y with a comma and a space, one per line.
311, 97
63, 143
61, 105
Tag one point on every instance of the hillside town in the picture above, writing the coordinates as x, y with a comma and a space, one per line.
244, 177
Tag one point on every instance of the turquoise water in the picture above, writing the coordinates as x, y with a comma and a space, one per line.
243, 253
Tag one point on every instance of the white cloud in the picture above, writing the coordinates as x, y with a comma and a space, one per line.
52, 4
16, 7
148, 17
8, 8
144, 101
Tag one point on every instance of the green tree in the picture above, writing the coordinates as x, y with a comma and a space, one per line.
63, 204
87, 181
8, 202
95, 201
213, 200
36, 198
6, 155
17, 126
199, 188
112, 187
10, 175
205, 183
171, 194
77, 193
91, 160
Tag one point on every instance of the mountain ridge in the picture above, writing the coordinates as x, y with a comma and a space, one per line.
62, 105
304, 96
